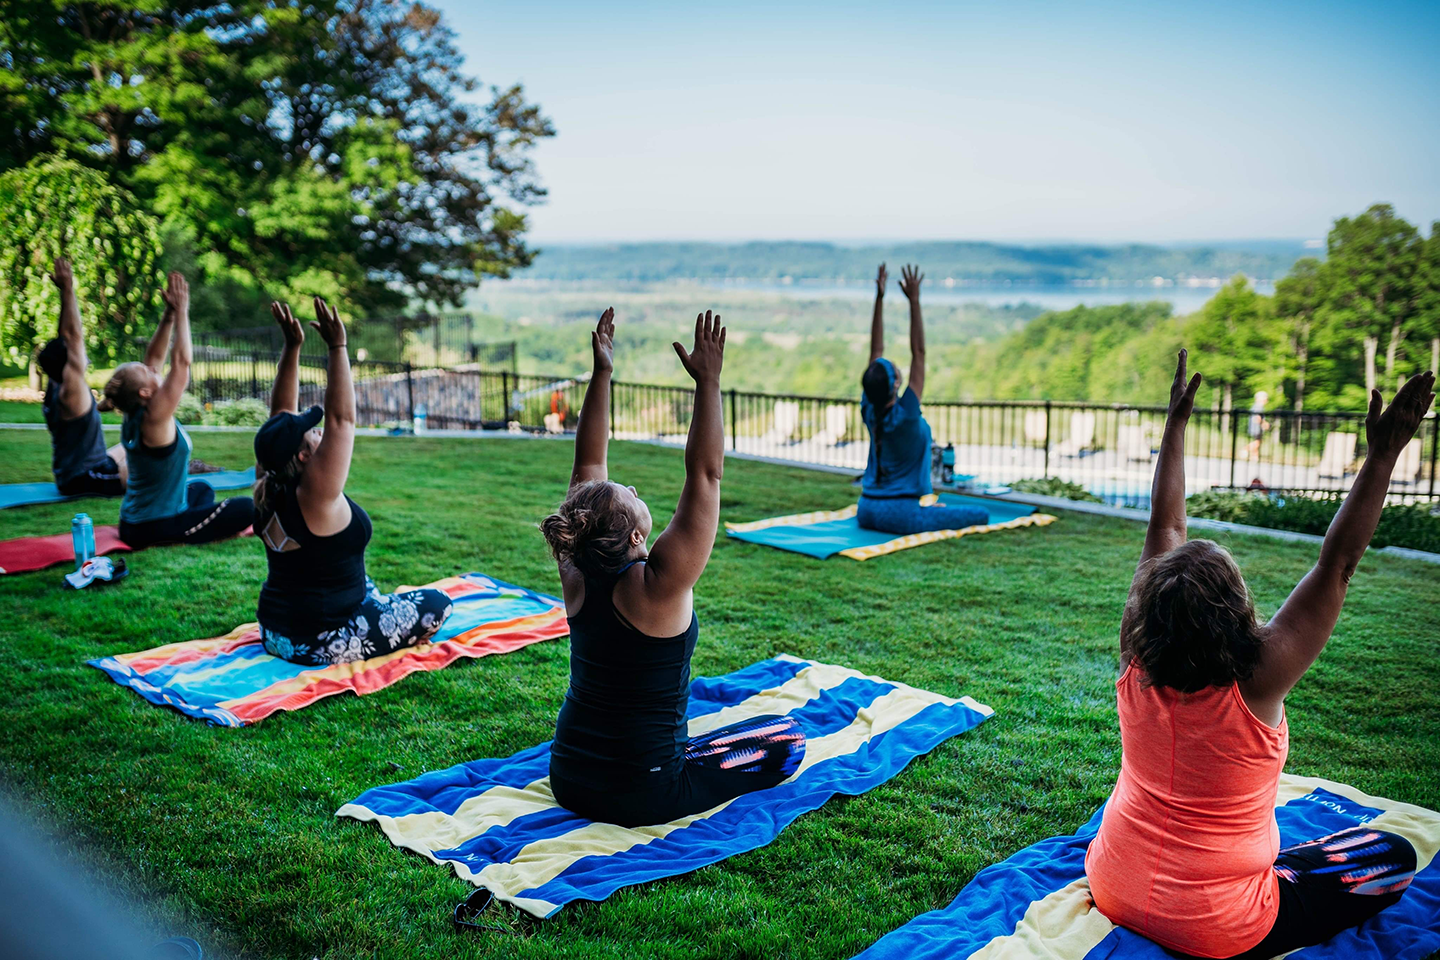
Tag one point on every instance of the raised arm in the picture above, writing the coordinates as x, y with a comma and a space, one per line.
681, 552
322, 488
877, 320
285, 395
1301, 628
159, 424
160, 339
592, 433
1166, 529
910, 277
74, 392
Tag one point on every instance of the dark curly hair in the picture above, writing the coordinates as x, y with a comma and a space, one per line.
591, 529
1190, 622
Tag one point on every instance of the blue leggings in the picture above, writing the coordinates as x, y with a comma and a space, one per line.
904, 516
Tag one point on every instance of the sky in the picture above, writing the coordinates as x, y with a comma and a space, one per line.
1017, 121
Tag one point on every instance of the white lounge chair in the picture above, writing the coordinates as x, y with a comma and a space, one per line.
786, 420
1133, 441
1338, 457
1407, 467
1082, 434
1035, 426
837, 423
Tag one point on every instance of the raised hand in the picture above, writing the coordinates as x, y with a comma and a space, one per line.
1182, 394
327, 321
294, 332
177, 295
602, 342
63, 276
704, 360
882, 277
1387, 432
910, 277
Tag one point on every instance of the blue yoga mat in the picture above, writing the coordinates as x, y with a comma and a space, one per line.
1036, 903
830, 536
25, 494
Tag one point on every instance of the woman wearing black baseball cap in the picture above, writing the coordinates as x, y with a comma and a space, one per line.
317, 605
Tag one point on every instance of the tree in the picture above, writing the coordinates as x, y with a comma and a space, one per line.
1297, 299
323, 148
58, 207
1233, 332
1371, 282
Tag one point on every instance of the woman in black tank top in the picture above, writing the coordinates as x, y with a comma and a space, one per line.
317, 605
622, 751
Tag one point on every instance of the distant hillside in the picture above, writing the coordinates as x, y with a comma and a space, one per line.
961, 261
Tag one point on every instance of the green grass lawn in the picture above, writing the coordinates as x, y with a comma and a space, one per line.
230, 834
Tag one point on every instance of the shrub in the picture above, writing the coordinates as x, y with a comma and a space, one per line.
237, 413
1054, 487
1416, 526
190, 411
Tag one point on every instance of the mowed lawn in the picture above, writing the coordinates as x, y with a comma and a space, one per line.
229, 835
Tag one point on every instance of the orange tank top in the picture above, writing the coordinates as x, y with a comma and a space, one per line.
1185, 851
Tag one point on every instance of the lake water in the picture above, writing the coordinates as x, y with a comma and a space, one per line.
1183, 299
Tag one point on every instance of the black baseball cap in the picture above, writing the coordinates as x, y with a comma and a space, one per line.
282, 436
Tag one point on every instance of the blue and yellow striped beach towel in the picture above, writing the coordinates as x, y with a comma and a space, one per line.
1037, 902
497, 824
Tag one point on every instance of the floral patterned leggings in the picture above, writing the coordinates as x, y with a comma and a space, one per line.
383, 623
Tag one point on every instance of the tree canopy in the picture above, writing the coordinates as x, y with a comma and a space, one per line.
56, 207
330, 146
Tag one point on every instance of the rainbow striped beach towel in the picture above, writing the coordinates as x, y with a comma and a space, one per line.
823, 533
232, 682
1037, 902
497, 825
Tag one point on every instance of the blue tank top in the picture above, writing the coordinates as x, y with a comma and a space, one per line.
899, 461
156, 485
623, 720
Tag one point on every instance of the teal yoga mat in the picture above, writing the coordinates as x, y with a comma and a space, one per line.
25, 494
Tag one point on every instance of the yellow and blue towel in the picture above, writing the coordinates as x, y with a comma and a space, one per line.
232, 682
1037, 903
497, 824
824, 533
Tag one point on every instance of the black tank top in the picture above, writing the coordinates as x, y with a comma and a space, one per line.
78, 443
315, 583
623, 719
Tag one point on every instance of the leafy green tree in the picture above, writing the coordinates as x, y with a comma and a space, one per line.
1298, 297
56, 207
1233, 333
1372, 268
327, 148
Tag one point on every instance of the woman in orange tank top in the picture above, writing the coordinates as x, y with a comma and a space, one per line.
1188, 853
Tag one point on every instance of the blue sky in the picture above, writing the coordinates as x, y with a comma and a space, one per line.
1006, 121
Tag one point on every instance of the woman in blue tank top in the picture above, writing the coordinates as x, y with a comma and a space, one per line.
161, 505
623, 750
317, 605
897, 472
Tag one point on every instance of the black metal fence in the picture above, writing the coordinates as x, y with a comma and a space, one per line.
1109, 449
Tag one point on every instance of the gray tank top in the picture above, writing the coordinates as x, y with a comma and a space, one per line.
78, 444
156, 486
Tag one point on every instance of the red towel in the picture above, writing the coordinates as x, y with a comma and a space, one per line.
24, 554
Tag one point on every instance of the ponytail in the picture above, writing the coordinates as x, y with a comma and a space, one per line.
879, 388
274, 487
591, 529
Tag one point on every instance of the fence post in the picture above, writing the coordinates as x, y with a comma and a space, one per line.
1434, 447
410, 392
505, 399
612, 411
735, 423
254, 375
1047, 441
1234, 439
436, 329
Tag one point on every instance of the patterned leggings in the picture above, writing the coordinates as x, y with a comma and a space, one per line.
755, 754
1332, 884
904, 516
383, 623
